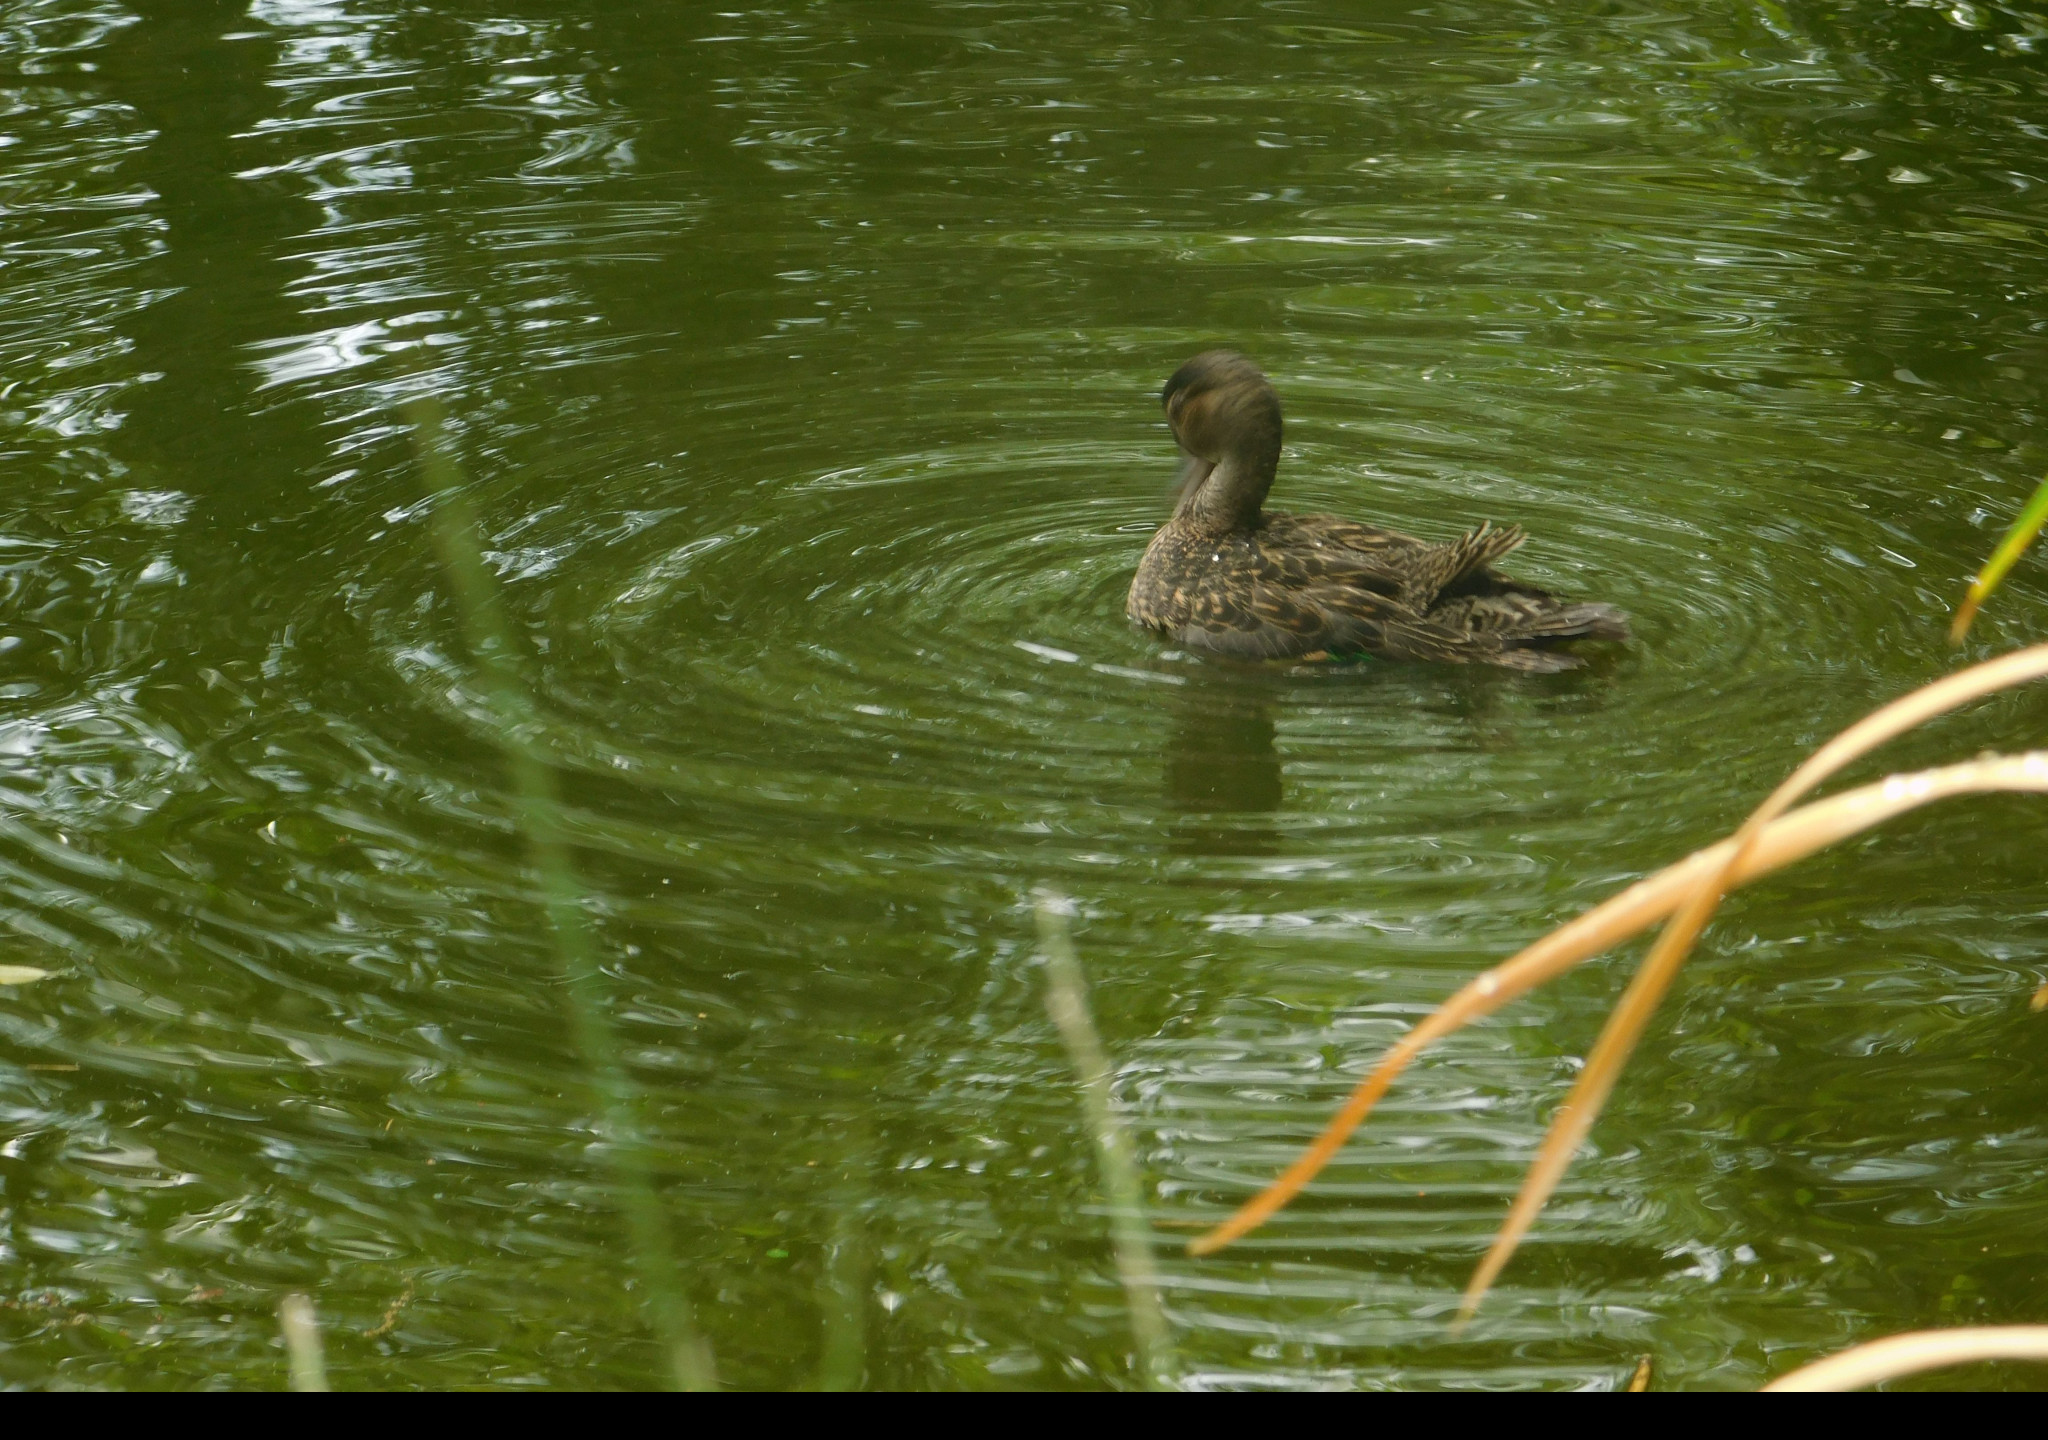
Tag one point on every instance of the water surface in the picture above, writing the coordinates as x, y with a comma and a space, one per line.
802, 362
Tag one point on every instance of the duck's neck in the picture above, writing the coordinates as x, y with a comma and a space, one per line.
1229, 499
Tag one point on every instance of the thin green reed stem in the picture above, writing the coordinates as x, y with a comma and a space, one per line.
539, 813
1066, 1000
843, 1360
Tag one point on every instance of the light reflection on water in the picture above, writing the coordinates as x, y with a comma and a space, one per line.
805, 366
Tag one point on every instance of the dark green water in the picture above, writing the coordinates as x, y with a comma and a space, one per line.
803, 362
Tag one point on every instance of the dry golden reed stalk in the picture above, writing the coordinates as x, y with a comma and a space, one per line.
1909, 1354
308, 1357
1689, 891
1806, 830
1631, 1015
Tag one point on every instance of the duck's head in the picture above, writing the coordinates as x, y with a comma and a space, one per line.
1226, 418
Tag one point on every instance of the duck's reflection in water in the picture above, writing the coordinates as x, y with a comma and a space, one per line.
1220, 765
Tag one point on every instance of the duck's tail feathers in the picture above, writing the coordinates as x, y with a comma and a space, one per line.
1536, 661
1588, 621
1476, 549
1445, 565
1530, 645
1486, 544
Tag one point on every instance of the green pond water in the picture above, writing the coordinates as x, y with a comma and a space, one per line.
802, 365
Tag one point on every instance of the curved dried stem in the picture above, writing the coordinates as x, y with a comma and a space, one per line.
1783, 842
1908, 1354
1631, 1015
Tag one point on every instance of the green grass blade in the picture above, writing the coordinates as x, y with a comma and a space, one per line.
538, 810
2001, 562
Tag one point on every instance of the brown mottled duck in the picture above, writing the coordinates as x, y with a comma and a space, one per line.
1227, 576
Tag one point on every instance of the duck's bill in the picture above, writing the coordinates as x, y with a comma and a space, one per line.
1193, 471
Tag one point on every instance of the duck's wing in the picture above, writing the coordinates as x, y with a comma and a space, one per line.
1262, 597
1343, 545
1254, 619
1257, 620
1305, 550
1261, 601
1417, 571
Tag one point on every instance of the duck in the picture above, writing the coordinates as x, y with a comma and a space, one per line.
1228, 577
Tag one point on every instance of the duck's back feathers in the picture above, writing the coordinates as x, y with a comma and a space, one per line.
1315, 585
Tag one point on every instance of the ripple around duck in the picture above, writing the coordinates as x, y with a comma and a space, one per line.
1011, 621
973, 667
